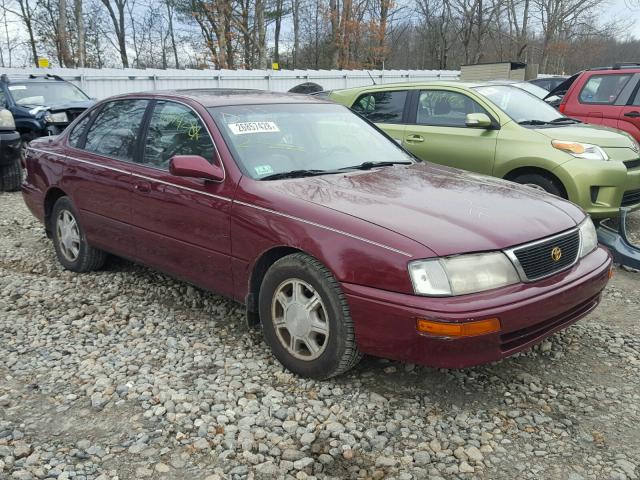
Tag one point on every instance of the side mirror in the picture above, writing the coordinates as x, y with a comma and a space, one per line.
195, 166
478, 120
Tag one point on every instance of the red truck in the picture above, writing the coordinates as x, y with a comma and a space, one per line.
606, 96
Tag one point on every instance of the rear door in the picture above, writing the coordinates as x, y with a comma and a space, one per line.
629, 119
103, 146
437, 131
386, 109
181, 225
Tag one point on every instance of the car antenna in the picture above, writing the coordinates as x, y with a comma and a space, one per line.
371, 77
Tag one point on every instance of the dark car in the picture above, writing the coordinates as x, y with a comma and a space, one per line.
548, 83
335, 238
10, 170
42, 105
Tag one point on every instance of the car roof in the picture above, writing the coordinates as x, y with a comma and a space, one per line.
219, 97
430, 83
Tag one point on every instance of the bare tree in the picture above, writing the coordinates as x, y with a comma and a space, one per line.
116, 13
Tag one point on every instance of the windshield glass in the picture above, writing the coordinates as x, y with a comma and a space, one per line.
532, 89
46, 93
278, 138
518, 104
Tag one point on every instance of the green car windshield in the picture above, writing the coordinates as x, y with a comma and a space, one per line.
271, 139
518, 104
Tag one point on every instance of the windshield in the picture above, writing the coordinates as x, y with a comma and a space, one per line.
268, 140
46, 93
532, 89
518, 104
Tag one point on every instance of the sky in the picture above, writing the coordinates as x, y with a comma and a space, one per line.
622, 9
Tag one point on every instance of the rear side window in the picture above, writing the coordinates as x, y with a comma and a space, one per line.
75, 137
444, 108
175, 129
603, 89
114, 133
381, 107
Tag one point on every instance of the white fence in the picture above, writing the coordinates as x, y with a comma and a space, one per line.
106, 82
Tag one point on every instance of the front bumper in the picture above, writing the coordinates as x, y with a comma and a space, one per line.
9, 148
617, 241
385, 322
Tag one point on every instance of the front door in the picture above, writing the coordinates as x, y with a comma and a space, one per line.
181, 225
437, 132
629, 119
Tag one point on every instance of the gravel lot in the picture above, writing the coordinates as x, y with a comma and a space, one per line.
129, 374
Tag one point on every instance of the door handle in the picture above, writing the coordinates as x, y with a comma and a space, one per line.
142, 187
414, 138
633, 114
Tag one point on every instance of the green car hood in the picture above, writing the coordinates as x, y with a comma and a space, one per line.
596, 135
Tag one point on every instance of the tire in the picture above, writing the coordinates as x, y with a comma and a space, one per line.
11, 177
542, 182
323, 342
73, 252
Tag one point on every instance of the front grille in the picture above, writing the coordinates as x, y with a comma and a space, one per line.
537, 259
73, 114
518, 338
631, 164
630, 198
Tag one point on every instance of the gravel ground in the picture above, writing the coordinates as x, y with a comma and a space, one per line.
128, 374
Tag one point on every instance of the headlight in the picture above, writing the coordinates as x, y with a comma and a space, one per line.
588, 237
60, 117
581, 150
6, 120
462, 274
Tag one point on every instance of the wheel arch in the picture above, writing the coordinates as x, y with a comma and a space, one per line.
50, 199
516, 172
260, 268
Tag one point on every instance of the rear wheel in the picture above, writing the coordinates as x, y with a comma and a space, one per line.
72, 249
11, 176
305, 318
542, 182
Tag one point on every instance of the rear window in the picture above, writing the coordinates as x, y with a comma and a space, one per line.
381, 107
603, 89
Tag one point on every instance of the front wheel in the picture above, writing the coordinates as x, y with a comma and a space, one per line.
542, 182
10, 176
305, 318
72, 249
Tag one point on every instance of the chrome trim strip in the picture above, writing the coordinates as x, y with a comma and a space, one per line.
510, 253
331, 229
114, 169
371, 242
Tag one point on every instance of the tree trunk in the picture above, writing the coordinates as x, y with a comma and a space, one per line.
170, 13
27, 20
82, 49
63, 37
262, 34
295, 13
276, 49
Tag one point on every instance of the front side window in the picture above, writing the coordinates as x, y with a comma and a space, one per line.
273, 139
381, 107
115, 131
603, 89
75, 137
175, 129
444, 108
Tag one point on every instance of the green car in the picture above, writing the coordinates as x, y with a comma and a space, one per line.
503, 131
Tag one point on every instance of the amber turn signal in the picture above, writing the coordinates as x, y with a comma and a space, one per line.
463, 329
610, 272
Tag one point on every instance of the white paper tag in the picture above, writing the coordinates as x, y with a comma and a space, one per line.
17, 87
263, 169
253, 127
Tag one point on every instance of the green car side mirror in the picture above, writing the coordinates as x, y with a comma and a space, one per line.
478, 120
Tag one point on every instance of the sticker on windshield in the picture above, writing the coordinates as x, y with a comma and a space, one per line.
17, 87
263, 169
253, 127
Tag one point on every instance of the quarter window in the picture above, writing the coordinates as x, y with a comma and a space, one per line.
444, 108
381, 107
175, 129
114, 133
603, 89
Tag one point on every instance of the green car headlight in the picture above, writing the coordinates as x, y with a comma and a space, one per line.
462, 274
588, 237
581, 150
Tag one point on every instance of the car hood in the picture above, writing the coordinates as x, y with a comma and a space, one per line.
597, 135
447, 210
72, 105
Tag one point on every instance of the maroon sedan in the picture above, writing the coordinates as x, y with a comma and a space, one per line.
337, 240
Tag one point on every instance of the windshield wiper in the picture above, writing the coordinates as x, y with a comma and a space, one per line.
298, 174
370, 165
565, 120
533, 122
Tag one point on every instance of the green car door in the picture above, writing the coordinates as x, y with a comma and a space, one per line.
438, 130
386, 109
